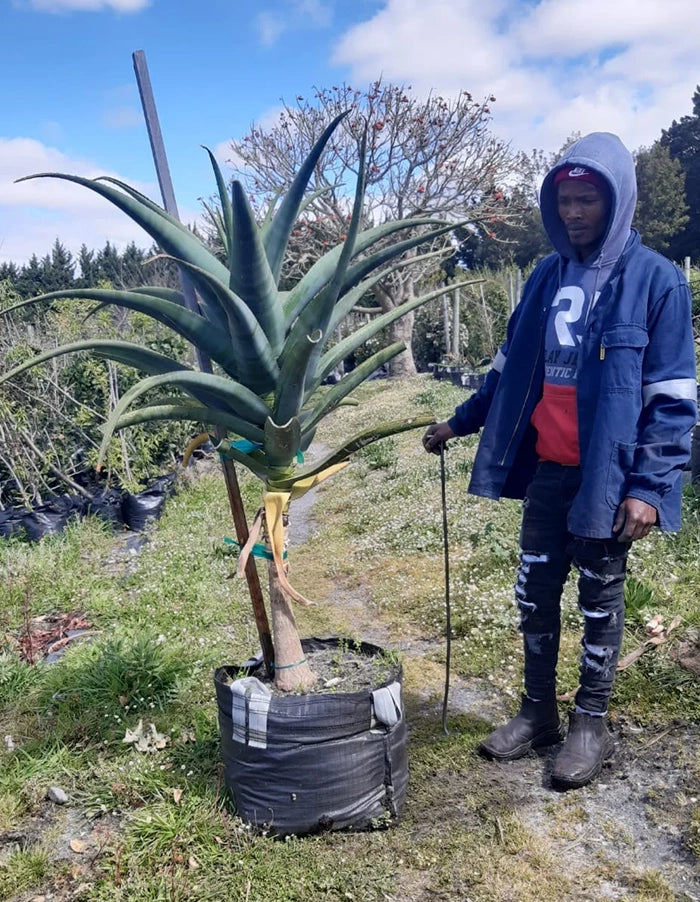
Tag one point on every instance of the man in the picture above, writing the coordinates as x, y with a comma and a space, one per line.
586, 414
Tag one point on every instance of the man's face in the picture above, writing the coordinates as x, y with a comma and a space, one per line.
583, 208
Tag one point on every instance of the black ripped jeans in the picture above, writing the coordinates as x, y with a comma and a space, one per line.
548, 550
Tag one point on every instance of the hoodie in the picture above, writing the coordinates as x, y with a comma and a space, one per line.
580, 284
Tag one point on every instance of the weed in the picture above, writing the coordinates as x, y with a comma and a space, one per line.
17, 678
379, 456
639, 600
693, 840
24, 870
94, 689
135, 672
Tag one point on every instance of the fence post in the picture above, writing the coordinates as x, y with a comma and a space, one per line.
446, 322
455, 324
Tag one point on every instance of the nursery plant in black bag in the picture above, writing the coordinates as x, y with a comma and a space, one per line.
271, 351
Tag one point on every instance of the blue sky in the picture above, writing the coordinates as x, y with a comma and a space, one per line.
69, 100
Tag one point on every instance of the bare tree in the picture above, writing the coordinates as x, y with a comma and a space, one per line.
426, 157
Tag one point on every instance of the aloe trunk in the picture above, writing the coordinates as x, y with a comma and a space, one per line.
292, 671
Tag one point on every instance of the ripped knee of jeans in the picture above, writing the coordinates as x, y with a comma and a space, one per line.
598, 613
527, 559
538, 643
598, 577
598, 658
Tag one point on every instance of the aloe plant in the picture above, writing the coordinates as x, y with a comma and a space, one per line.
269, 349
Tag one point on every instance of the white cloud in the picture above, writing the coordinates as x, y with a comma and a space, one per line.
51, 207
317, 13
565, 28
122, 117
298, 14
270, 28
555, 66
225, 157
59, 6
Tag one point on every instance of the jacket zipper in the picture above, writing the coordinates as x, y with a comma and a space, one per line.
529, 389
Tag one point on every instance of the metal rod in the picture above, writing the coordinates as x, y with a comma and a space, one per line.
448, 613
160, 160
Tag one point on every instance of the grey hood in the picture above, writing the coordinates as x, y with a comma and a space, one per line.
606, 155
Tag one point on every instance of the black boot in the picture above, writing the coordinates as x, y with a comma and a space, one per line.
537, 724
588, 744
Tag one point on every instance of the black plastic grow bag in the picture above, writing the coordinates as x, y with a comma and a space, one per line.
298, 764
139, 510
51, 518
107, 505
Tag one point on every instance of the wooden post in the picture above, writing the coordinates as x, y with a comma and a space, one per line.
686, 268
511, 292
455, 324
446, 322
232, 488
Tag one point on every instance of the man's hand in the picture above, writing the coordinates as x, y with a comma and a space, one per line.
633, 520
436, 435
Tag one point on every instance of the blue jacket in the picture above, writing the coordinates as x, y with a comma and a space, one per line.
636, 391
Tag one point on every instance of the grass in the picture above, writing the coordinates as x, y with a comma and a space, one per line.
159, 825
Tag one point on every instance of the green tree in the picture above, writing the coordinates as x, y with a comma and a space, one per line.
89, 271
9, 272
30, 280
662, 212
59, 269
682, 139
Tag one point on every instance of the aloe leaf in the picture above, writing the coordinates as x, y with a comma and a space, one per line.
361, 269
350, 343
310, 332
257, 366
293, 374
269, 213
277, 235
166, 231
350, 298
345, 257
208, 304
198, 413
124, 352
323, 269
159, 291
250, 275
195, 328
225, 200
238, 399
282, 442
249, 460
137, 195
348, 248
332, 398
345, 451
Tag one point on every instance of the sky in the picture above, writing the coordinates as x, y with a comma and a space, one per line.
69, 101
